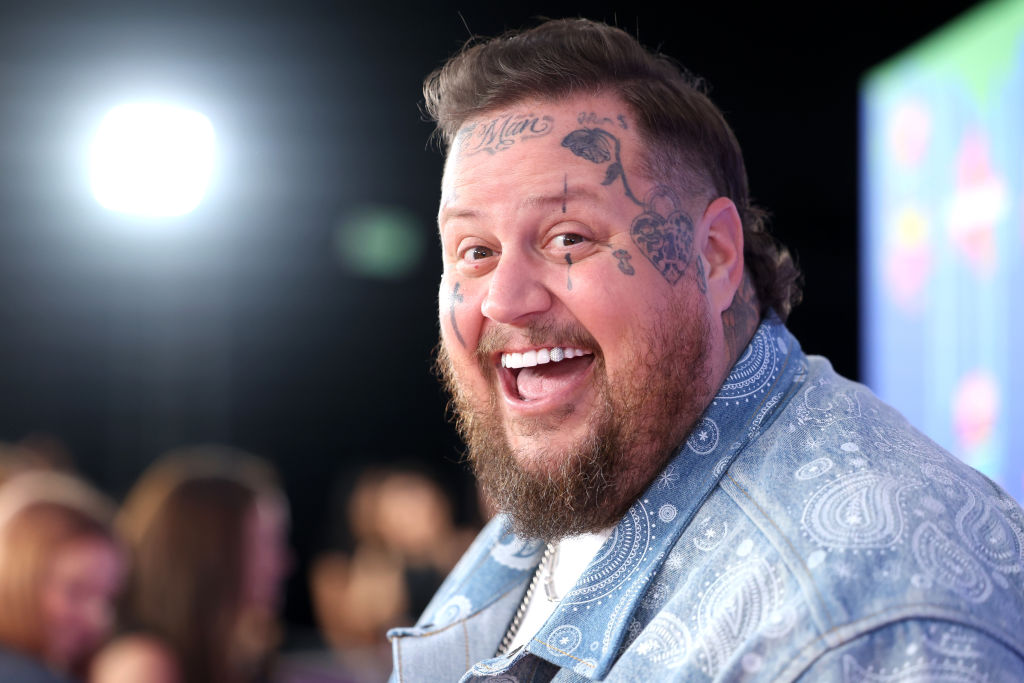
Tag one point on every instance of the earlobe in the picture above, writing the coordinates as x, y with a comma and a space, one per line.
722, 249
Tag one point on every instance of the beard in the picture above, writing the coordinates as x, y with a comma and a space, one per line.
635, 426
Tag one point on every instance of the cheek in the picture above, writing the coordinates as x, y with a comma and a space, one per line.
459, 314
65, 620
263, 575
612, 306
267, 554
55, 606
61, 609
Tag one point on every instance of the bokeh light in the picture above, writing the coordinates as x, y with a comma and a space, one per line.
152, 159
385, 242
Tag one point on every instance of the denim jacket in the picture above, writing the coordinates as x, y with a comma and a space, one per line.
18, 668
804, 531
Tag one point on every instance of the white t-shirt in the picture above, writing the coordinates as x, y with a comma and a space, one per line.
572, 555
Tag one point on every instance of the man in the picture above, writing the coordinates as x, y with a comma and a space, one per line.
686, 495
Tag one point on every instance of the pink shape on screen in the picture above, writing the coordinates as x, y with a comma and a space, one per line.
979, 203
975, 410
909, 132
908, 259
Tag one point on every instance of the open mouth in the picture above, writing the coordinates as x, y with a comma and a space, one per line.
549, 372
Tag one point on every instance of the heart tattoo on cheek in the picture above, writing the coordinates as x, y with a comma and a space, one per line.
664, 234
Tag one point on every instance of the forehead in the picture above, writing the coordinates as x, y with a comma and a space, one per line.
536, 137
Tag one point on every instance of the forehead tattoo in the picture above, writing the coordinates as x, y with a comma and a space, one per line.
600, 146
593, 119
502, 132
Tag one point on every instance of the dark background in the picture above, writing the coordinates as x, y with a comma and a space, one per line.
241, 322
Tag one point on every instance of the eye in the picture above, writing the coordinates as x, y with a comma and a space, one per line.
569, 239
477, 253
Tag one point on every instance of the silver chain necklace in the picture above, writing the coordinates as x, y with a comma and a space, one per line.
542, 568
549, 561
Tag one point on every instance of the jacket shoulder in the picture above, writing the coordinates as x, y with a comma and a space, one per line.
875, 520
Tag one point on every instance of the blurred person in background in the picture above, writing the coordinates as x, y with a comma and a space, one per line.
60, 571
404, 542
207, 528
36, 451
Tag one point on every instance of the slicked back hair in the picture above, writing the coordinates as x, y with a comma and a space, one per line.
687, 140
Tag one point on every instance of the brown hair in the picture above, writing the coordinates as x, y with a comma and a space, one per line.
686, 136
40, 513
185, 523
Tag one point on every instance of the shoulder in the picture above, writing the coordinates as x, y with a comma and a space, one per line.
915, 649
876, 521
136, 657
16, 667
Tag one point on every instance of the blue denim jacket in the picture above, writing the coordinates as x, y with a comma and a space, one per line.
18, 668
805, 531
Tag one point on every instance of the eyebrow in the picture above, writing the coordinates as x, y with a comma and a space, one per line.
577, 192
530, 201
448, 214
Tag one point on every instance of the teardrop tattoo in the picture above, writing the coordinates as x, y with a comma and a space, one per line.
568, 275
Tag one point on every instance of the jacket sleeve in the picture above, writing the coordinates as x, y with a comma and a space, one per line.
919, 650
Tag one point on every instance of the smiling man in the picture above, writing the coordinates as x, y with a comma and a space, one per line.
685, 495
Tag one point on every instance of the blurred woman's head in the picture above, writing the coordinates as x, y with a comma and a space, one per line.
60, 569
207, 528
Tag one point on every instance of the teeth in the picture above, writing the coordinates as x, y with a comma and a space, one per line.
528, 359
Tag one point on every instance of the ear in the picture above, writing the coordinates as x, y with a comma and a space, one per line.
722, 233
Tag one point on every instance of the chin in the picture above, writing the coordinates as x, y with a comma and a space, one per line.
539, 464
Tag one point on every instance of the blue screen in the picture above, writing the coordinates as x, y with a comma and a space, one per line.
942, 237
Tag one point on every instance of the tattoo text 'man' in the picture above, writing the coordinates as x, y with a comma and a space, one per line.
503, 132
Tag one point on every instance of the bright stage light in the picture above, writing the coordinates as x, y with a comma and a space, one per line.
150, 159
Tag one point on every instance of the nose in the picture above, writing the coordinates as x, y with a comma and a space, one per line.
515, 291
